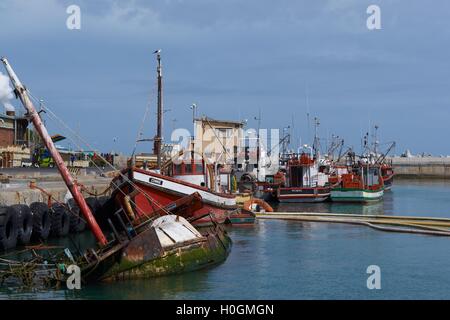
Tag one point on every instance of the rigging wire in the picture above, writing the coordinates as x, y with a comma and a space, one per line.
62, 123
140, 131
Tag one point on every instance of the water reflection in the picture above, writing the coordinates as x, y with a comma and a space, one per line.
168, 287
375, 208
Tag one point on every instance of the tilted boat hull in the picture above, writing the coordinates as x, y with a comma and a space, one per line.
165, 190
146, 256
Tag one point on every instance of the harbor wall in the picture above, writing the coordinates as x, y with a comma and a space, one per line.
18, 190
426, 167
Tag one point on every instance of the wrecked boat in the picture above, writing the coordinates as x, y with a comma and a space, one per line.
160, 244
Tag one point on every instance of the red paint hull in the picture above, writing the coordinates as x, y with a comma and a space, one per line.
149, 198
219, 215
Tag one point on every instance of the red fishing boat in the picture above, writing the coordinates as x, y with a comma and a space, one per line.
168, 181
304, 183
143, 185
363, 183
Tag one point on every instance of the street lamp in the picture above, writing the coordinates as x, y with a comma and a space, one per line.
194, 108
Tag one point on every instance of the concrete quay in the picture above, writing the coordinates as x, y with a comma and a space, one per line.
15, 187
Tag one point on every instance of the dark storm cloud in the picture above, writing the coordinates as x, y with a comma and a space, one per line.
234, 57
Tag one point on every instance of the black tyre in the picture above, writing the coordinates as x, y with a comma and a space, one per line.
77, 223
60, 220
105, 211
8, 228
102, 200
24, 223
101, 203
93, 204
41, 221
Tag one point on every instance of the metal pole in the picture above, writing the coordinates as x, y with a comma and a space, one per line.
158, 138
40, 128
193, 107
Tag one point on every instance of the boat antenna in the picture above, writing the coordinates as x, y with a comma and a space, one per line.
158, 138
22, 94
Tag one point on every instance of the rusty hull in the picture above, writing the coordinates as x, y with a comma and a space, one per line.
143, 256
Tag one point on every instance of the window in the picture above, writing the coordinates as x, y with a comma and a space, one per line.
224, 132
198, 168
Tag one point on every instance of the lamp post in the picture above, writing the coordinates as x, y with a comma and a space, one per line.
194, 110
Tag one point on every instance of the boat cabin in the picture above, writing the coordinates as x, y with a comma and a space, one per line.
198, 173
363, 177
192, 171
303, 171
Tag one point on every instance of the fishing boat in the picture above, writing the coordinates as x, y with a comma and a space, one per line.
380, 158
163, 244
363, 183
142, 184
171, 180
335, 174
134, 246
304, 182
267, 190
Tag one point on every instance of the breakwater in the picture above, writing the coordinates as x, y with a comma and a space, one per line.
426, 167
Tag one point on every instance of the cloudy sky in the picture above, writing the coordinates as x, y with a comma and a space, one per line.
233, 58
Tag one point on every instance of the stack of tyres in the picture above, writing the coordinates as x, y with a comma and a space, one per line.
21, 224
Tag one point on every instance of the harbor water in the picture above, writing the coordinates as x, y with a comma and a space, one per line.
300, 260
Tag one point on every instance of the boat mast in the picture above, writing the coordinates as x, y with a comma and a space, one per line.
158, 138
21, 92
316, 143
375, 141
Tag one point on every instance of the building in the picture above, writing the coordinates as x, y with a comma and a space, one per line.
14, 140
13, 130
219, 140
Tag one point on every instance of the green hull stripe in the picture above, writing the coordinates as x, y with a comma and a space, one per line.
355, 189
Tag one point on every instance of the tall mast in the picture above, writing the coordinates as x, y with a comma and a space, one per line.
158, 138
21, 92
316, 143
375, 141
